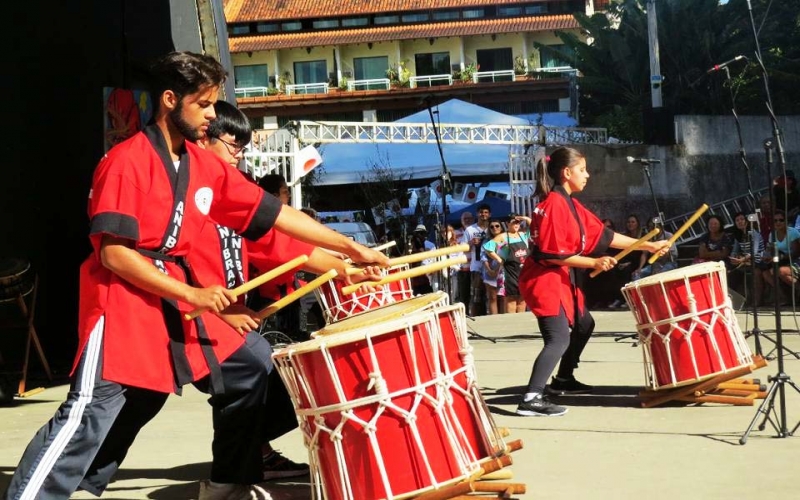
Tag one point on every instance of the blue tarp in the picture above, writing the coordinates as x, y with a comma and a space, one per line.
351, 163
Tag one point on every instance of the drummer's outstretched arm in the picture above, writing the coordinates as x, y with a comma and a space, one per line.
620, 241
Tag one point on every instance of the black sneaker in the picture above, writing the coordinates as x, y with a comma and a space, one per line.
277, 466
540, 406
560, 387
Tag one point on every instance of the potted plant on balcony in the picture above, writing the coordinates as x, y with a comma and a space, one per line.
398, 75
284, 80
520, 71
468, 71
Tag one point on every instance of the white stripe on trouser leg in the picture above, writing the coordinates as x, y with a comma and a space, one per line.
63, 436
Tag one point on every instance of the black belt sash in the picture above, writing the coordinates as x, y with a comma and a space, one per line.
177, 342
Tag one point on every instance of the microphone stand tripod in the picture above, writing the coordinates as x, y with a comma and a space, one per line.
779, 381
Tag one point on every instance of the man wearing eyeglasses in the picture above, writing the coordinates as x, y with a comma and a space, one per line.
474, 235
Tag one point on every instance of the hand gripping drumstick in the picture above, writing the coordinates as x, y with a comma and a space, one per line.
417, 257
257, 282
686, 225
636, 244
378, 248
408, 273
300, 292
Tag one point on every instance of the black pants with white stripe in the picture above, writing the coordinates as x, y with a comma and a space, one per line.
90, 434
560, 342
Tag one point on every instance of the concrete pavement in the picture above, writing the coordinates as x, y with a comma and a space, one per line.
606, 447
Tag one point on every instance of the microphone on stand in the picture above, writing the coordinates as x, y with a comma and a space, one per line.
645, 161
720, 66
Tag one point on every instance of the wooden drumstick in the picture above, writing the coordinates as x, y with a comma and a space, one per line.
408, 273
300, 292
686, 225
388, 244
636, 244
417, 257
257, 282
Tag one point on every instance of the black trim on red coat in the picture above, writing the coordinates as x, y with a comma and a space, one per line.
115, 224
268, 209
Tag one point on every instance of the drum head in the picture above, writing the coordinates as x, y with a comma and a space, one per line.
383, 313
679, 274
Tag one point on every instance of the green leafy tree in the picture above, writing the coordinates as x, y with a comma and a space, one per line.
693, 36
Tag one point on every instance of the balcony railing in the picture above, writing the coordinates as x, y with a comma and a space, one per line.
252, 92
557, 69
369, 84
307, 88
503, 75
430, 80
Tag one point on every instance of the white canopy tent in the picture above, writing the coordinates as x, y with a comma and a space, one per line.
353, 163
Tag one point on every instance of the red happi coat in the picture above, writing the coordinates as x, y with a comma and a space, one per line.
220, 256
559, 232
137, 194
273, 249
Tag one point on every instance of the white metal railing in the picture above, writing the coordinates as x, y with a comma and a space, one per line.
369, 84
430, 79
576, 135
557, 69
252, 92
416, 133
492, 76
307, 88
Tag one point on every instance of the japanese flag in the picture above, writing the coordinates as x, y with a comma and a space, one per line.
306, 160
470, 194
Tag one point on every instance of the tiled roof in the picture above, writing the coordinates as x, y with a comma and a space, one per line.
242, 11
428, 30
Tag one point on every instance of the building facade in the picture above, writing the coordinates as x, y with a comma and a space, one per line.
378, 60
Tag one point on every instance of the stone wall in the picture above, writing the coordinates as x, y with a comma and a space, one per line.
703, 167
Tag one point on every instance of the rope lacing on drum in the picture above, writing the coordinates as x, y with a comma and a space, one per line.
432, 385
377, 382
718, 311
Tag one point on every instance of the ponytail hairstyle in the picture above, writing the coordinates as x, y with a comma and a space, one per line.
548, 170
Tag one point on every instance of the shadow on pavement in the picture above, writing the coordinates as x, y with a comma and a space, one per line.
607, 396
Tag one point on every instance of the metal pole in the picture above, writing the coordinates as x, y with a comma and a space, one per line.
655, 66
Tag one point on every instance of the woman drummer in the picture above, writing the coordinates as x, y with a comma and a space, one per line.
564, 236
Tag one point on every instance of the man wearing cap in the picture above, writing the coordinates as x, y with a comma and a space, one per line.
419, 243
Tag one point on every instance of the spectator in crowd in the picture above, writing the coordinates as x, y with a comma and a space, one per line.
493, 271
746, 246
716, 243
666, 262
628, 264
787, 197
788, 248
475, 235
450, 274
509, 249
464, 277
419, 243
765, 217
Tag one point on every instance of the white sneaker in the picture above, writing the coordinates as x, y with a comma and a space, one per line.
209, 490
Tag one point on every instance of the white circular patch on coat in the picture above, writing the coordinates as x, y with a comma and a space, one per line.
202, 198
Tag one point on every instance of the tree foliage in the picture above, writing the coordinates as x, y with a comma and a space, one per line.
693, 35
